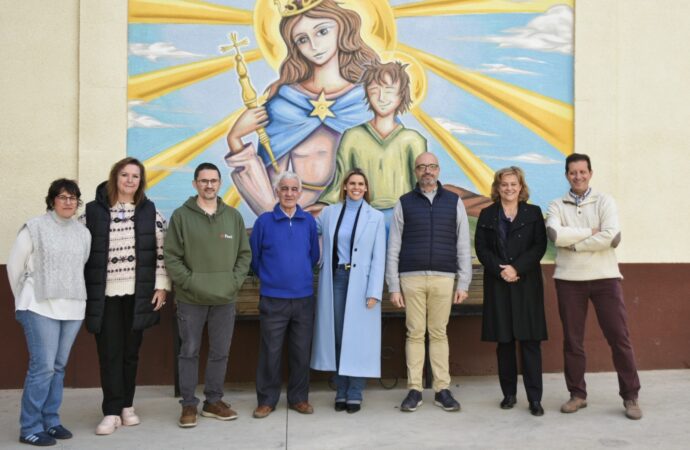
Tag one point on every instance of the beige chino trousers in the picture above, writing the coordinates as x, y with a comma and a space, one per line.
428, 300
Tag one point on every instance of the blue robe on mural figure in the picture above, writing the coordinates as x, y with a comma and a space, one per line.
296, 135
360, 354
290, 121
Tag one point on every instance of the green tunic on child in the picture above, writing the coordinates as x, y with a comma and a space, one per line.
387, 162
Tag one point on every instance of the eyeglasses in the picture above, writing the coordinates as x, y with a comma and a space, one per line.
424, 167
208, 182
67, 198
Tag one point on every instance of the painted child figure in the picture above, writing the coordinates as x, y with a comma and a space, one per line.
382, 148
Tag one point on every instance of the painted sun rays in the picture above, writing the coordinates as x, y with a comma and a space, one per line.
548, 118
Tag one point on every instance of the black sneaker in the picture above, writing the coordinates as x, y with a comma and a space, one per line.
41, 439
353, 408
445, 400
59, 432
340, 405
412, 401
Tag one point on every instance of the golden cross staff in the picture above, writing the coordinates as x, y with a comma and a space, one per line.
248, 92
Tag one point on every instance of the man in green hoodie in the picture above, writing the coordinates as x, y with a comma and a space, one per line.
207, 255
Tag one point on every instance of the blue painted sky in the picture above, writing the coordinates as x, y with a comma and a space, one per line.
497, 139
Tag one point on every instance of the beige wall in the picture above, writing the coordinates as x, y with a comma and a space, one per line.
39, 88
65, 89
631, 115
102, 90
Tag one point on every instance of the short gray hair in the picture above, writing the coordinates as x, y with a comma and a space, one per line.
287, 175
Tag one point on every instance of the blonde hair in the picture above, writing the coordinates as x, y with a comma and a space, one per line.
498, 177
353, 52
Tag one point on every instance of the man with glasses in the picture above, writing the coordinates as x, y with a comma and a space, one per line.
207, 255
285, 249
428, 248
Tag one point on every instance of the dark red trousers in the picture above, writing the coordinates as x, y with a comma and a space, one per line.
607, 297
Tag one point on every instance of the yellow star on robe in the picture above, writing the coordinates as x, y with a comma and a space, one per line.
321, 106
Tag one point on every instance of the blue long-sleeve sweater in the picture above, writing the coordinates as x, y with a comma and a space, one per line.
284, 252
345, 230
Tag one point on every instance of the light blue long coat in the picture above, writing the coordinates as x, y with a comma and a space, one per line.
360, 354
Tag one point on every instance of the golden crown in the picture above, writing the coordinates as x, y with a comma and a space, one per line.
288, 8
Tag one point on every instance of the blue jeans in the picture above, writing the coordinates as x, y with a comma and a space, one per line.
49, 342
348, 389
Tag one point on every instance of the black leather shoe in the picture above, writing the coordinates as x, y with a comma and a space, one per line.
535, 409
340, 406
353, 408
508, 402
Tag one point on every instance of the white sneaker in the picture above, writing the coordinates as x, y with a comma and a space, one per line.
129, 417
108, 425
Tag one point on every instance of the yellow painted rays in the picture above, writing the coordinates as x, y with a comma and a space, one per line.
548, 118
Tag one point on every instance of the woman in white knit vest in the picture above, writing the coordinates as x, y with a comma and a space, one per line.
126, 284
46, 274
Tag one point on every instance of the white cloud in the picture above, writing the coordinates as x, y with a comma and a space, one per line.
158, 50
458, 128
528, 158
136, 120
549, 32
502, 68
524, 59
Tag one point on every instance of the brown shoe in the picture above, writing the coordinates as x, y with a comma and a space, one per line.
632, 409
220, 410
573, 405
262, 411
188, 417
303, 408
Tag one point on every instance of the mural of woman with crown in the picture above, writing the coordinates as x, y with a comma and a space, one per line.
490, 84
315, 99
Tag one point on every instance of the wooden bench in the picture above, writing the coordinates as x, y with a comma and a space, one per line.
247, 308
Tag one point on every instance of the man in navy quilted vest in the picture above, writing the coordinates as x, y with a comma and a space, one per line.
428, 249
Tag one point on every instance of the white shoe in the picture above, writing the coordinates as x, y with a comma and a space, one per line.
129, 417
108, 425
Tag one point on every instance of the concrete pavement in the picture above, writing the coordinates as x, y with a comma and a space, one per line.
665, 400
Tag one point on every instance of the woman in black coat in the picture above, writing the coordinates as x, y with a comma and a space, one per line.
510, 241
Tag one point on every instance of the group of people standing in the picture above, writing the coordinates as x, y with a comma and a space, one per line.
105, 269
115, 265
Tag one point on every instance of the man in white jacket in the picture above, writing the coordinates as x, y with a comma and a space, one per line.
583, 225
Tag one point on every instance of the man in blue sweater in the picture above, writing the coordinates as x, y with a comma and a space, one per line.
285, 248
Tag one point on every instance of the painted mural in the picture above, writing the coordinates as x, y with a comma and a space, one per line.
319, 87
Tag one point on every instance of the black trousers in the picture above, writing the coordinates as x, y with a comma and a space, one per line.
531, 368
118, 354
280, 317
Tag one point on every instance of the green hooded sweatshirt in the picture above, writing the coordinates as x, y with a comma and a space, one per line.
206, 256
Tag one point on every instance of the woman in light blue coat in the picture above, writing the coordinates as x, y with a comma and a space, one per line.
347, 330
